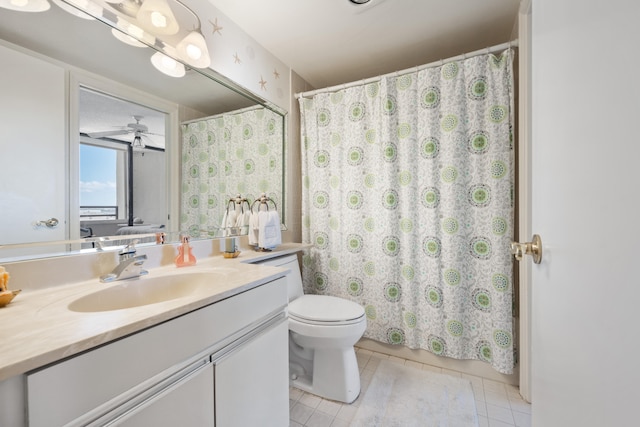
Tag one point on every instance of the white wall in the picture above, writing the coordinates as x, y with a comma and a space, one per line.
236, 55
149, 193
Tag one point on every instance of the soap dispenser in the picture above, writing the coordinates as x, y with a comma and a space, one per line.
185, 255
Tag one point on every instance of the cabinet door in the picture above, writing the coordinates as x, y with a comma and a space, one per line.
189, 402
251, 382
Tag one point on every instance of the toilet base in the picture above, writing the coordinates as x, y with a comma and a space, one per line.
334, 376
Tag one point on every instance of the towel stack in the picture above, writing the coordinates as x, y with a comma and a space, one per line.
264, 229
235, 221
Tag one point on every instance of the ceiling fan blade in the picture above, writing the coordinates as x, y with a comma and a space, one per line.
108, 133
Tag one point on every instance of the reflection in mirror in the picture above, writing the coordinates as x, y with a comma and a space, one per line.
228, 161
46, 57
122, 168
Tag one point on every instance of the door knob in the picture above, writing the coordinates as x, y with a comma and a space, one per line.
533, 248
51, 222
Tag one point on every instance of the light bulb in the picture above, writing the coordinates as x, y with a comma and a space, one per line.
193, 51
158, 19
167, 65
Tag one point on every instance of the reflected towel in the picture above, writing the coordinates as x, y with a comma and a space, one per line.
242, 223
232, 217
253, 228
223, 224
243, 219
269, 234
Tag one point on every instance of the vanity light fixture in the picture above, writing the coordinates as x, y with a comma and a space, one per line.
167, 65
168, 26
164, 24
157, 17
25, 5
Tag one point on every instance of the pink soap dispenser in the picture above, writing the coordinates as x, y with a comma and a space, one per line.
185, 255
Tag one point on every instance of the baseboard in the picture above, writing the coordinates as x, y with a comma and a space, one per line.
469, 367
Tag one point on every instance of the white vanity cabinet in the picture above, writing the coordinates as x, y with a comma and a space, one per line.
249, 375
222, 365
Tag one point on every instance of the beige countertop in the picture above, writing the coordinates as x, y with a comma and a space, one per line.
38, 328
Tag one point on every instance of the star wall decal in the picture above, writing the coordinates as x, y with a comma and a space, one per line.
276, 74
216, 28
236, 58
263, 83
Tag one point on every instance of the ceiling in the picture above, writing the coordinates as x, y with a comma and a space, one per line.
103, 113
326, 42
331, 42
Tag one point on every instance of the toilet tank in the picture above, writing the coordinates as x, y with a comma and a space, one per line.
294, 278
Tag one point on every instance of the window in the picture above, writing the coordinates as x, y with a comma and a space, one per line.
102, 187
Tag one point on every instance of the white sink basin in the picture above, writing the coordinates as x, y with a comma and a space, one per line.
147, 290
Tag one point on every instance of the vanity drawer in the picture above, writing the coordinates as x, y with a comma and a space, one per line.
105, 377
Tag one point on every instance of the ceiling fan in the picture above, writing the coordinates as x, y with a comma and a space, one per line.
139, 130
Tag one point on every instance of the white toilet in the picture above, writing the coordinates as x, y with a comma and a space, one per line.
322, 333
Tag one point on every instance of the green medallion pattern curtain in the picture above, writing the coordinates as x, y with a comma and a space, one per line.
408, 201
226, 155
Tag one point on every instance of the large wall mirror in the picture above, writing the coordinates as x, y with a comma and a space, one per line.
83, 113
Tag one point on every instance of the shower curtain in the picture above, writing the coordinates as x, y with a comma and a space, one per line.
408, 190
233, 153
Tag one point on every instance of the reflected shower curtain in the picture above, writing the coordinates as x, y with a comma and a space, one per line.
222, 156
408, 202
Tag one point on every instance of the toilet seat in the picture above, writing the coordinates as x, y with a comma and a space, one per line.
325, 310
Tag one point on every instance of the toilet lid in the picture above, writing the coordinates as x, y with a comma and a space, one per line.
324, 308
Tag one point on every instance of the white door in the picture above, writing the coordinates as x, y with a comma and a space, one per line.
586, 207
33, 157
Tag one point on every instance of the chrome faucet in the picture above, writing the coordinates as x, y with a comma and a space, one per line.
130, 265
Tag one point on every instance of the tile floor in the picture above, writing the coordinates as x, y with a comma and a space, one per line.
498, 404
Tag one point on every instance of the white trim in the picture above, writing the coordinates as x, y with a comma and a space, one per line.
524, 197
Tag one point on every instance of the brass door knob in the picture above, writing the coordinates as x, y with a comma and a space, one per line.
533, 248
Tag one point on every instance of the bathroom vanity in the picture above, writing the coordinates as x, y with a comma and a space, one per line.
216, 355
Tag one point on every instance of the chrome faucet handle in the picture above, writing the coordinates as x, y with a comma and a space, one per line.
129, 250
99, 243
130, 267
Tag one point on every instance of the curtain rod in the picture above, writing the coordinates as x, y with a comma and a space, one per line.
487, 50
230, 113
